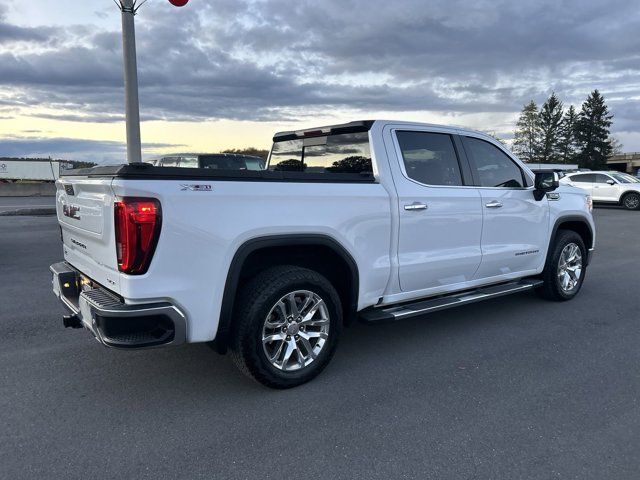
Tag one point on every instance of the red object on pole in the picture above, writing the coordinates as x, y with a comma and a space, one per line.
178, 3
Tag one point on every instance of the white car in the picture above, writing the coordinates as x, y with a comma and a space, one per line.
611, 187
377, 220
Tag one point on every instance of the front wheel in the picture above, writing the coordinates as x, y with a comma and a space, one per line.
566, 267
631, 201
287, 327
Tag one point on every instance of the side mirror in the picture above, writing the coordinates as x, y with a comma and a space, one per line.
611, 182
545, 182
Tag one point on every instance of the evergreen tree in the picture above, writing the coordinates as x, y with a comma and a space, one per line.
568, 142
526, 136
592, 132
549, 128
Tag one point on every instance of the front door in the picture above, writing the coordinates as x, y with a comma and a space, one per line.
603, 191
440, 215
515, 230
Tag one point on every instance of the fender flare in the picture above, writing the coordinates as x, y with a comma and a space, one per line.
221, 342
569, 218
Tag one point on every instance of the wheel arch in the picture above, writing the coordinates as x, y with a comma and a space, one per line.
263, 252
628, 192
576, 223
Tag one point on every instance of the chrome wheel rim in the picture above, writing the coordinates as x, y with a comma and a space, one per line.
570, 267
295, 330
632, 201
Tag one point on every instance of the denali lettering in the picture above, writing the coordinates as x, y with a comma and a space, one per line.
79, 244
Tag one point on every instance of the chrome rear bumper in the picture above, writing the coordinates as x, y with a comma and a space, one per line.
114, 323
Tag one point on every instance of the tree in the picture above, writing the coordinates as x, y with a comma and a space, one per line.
592, 132
550, 120
616, 145
567, 142
526, 137
355, 164
497, 137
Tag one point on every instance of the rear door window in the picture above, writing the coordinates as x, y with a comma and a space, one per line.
582, 178
430, 158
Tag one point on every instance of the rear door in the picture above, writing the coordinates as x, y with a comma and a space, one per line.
440, 214
85, 212
515, 230
583, 181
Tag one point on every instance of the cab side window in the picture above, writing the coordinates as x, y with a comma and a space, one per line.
493, 167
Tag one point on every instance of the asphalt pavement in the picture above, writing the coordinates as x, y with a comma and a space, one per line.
513, 388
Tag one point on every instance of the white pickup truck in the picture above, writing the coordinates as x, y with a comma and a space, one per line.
375, 220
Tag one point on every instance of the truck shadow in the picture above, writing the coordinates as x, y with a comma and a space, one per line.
367, 355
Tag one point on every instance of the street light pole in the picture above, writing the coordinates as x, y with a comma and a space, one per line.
132, 106
129, 8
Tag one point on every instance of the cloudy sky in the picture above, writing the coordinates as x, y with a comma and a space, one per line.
229, 73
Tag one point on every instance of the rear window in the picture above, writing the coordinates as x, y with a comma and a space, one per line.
344, 153
189, 161
224, 162
169, 162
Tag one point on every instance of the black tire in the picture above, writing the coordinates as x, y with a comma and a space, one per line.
631, 201
552, 288
255, 302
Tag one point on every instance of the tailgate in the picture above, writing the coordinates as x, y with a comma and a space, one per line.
85, 212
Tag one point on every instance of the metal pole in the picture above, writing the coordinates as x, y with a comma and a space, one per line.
134, 146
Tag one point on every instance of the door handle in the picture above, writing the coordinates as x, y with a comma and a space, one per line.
494, 204
416, 206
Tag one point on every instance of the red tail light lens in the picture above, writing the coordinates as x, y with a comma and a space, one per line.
137, 224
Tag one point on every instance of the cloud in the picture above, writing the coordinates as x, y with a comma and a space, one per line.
274, 60
10, 33
73, 149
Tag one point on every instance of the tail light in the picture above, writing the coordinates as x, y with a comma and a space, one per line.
137, 225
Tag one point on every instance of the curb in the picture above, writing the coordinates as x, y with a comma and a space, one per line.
29, 212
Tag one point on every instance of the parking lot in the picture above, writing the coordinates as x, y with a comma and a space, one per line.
8, 204
512, 388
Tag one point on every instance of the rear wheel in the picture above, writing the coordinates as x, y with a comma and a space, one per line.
287, 327
631, 201
566, 267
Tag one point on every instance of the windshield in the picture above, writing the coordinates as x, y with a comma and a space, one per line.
625, 178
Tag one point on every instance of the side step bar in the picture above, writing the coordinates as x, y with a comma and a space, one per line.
408, 310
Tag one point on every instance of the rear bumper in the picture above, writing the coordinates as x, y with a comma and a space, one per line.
114, 323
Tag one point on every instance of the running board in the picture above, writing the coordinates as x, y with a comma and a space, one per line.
408, 310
